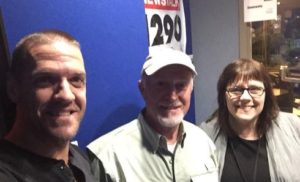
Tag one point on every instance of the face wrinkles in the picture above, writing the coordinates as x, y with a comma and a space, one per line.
56, 91
246, 108
167, 95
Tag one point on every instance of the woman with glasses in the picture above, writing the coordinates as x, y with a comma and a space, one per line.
255, 141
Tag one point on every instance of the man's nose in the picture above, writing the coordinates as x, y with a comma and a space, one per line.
64, 91
172, 92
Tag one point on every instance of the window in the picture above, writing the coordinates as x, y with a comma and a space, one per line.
277, 45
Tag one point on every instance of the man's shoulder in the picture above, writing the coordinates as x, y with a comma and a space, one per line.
9, 152
195, 133
13, 162
18, 164
115, 137
6, 155
191, 128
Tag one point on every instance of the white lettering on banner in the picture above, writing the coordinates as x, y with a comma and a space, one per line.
162, 4
166, 23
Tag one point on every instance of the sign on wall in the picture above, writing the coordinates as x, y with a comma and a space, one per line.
166, 23
260, 10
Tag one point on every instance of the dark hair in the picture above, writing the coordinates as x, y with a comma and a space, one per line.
245, 70
21, 55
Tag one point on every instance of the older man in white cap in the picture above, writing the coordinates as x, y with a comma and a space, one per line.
159, 145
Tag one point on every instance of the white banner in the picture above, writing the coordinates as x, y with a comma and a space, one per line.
166, 23
260, 10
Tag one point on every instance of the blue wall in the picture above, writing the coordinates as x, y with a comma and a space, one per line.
113, 38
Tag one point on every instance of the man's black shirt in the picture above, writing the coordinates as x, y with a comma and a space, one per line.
20, 165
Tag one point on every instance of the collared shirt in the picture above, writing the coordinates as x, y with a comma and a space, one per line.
135, 152
20, 165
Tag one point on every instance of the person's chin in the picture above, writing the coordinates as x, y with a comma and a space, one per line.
64, 136
171, 121
64, 132
245, 117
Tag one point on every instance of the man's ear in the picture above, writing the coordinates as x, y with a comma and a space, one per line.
141, 85
12, 88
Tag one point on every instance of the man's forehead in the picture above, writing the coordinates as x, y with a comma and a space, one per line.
56, 55
55, 49
62, 68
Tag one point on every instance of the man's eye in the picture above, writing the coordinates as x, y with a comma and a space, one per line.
181, 85
77, 81
161, 84
44, 81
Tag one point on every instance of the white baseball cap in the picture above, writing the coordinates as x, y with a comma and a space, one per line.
162, 56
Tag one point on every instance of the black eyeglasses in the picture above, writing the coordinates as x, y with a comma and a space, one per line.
239, 91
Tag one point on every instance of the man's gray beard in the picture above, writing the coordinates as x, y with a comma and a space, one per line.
171, 121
